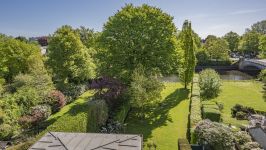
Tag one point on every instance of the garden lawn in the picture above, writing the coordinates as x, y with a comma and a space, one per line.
166, 123
247, 93
72, 117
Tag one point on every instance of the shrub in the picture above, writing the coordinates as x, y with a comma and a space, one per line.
241, 115
217, 136
97, 114
144, 89
10, 113
56, 100
251, 146
242, 137
72, 91
241, 112
183, 144
209, 82
212, 114
262, 75
38, 114
112, 127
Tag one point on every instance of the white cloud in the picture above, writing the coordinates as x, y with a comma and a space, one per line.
242, 12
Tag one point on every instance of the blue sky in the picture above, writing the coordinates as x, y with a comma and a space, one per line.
36, 18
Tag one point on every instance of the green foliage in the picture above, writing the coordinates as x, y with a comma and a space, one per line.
138, 35
216, 48
250, 42
2, 82
262, 46
251, 146
68, 57
188, 63
209, 82
18, 57
242, 137
241, 112
195, 112
10, 113
232, 39
195, 109
97, 114
211, 113
122, 112
259, 27
218, 136
183, 144
72, 90
144, 89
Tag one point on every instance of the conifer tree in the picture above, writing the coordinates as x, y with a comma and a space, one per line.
188, 62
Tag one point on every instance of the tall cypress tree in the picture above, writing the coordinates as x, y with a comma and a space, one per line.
188, 62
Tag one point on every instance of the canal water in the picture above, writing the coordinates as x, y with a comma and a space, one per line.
235, 75
225, 75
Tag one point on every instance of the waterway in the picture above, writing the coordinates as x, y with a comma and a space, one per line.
225, 75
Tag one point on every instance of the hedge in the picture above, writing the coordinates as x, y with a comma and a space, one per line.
211, 113
211, 106
195, 109
183, 144
195, 112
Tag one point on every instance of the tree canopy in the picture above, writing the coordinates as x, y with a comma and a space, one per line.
142, 35
250, 42
68, 57
233, 40
216, 48
18, 57
259, 27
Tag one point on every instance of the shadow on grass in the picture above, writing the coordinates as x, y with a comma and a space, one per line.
155, 117
75, 108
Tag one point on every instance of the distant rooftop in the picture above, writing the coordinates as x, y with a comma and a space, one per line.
88, 141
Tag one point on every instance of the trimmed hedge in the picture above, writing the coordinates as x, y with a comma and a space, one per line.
211, 113
183, 144
195, 109
195, 112
211, 106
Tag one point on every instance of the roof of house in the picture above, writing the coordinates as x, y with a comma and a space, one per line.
88, 141
258, 135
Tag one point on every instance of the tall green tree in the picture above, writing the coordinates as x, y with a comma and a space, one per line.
142, 35
216, 48
188, 63
249, 42
259, 27
262, 46
232, 39
18, 57
68, 57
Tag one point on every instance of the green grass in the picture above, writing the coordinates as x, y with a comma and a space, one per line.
247, 93
165, 123
71, 118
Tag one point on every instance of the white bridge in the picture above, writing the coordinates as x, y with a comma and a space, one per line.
252, 64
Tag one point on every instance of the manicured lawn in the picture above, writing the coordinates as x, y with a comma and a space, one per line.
165, 123
71, 118
247, 93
